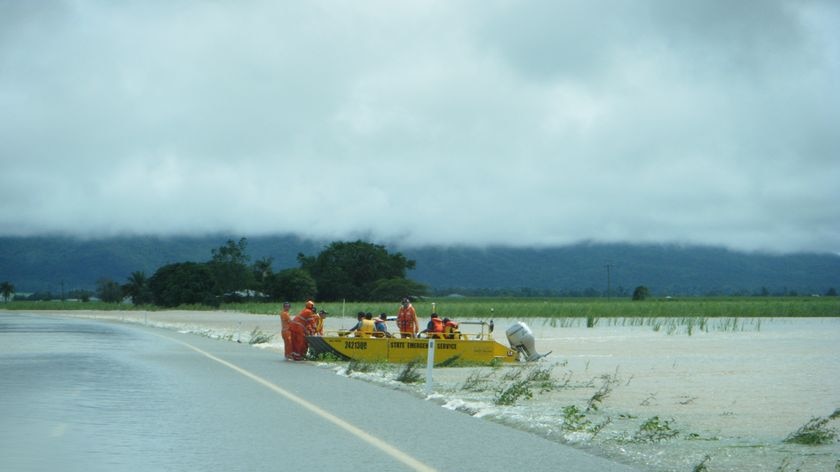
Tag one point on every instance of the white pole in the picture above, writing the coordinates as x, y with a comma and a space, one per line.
430, 363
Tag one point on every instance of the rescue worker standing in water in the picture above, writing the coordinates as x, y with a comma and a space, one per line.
407, 320
286, 329
303, 325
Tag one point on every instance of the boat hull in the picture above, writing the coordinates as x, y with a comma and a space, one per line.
404, 350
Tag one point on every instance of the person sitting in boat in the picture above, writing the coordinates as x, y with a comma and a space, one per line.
434, 329
359, 317
450, 329
381, 330
365, 326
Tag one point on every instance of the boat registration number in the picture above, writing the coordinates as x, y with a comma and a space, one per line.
355, 344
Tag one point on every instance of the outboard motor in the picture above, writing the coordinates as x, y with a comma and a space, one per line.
521, 338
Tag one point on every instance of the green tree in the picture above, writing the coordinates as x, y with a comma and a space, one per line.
229, 266
291, 284
349, 270
137, 288
108, 291
262, 272
232, 252
7, 290
832, 292
183, 283
641, 292
82, 295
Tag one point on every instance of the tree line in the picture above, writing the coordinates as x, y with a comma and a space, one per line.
353, 271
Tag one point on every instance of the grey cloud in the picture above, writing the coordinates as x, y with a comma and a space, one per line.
523, 123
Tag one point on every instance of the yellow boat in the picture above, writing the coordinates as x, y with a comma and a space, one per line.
478, 348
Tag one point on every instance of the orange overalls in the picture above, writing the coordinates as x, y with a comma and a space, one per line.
286, 332
301, 326
407, 321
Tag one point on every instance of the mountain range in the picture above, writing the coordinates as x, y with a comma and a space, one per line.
58, 263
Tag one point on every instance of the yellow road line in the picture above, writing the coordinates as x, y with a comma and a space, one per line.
355, 431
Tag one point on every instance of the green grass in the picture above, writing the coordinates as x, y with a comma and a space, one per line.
592, 309
816, 431
73, 305
258, 337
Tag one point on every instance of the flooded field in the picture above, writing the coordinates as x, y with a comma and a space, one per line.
663, 394
673, 394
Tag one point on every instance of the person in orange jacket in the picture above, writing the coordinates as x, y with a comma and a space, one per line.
407, 320
434, 329
450, 329
302, 325
286, 329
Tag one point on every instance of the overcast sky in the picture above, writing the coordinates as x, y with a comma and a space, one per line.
480, 122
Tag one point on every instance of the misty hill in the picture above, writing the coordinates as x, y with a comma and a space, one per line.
60, 263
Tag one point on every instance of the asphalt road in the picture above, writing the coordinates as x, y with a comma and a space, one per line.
94, 395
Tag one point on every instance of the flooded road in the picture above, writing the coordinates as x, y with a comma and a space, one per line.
90, 396
672, 394
94, 395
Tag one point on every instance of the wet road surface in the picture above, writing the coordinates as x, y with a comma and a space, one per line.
92, 395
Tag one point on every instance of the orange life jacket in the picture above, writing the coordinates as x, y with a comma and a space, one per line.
406, 318
451, 329
436, 328
306, 320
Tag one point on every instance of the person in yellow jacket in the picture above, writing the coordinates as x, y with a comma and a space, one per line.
286, 329
319, 322
365, 327
368, 326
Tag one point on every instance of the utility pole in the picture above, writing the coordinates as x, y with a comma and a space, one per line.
609, 282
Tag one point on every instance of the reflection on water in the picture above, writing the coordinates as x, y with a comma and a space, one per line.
71, 400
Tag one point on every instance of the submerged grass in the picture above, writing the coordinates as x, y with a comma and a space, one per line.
655, 430
258, 337
409, 374
816, 432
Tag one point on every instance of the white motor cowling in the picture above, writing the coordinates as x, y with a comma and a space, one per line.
521, 338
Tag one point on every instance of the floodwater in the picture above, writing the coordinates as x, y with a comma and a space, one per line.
662, 394
724, 391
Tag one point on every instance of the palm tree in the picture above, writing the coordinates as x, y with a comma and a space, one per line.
7, 289
137, 288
